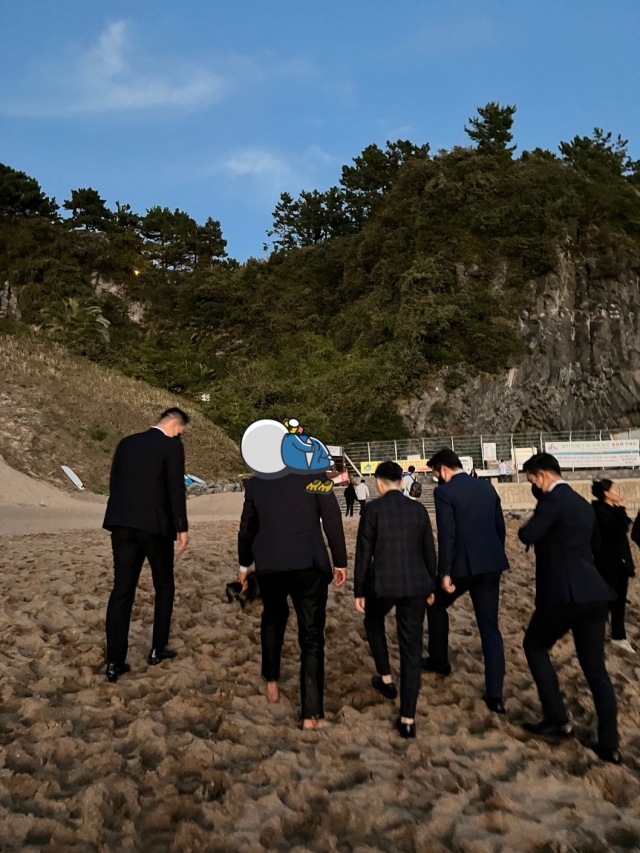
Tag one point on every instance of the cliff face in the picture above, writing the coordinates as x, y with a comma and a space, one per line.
581, 326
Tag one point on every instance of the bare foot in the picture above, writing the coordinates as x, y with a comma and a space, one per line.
273, 691
314, 724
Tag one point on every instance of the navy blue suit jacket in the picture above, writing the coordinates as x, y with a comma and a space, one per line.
471, 529
564, 533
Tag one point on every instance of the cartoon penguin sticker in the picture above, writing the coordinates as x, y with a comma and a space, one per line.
273, 449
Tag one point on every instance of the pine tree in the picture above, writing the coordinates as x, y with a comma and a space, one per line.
492, 130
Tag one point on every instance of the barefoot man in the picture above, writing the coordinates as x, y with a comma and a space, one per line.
281, 532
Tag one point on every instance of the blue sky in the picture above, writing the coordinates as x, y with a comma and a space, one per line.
217, 108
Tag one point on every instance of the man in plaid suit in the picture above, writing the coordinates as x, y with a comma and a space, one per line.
395, 567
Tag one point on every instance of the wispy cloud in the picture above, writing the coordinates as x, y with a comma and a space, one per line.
115, 75
261, 174
261, 166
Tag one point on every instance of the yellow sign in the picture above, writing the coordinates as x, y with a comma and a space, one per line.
368, 467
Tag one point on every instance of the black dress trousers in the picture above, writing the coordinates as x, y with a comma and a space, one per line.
308, 589
587, 623
130, 548
410, 623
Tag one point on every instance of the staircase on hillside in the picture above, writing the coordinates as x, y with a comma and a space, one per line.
426, 498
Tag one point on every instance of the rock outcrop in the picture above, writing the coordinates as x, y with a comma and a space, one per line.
581, 326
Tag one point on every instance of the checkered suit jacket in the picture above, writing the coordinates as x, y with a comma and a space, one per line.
395, 553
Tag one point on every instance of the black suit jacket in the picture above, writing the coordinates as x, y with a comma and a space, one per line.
280, 527
147, 490
395, 553
471, 529
564, 533
613, 556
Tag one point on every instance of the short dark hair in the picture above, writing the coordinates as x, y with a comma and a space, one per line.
178, 414
445, 457
600, 487
542, 462
411, 469
389, 471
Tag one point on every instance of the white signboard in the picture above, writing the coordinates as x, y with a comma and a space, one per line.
334, 449
489, 451
467, 463
596, 454
522, 454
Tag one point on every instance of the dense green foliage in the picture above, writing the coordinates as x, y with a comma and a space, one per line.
412, 262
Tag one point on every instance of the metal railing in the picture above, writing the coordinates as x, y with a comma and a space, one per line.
472, 445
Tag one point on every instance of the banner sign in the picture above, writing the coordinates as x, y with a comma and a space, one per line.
334, 449
596, 454
419, 464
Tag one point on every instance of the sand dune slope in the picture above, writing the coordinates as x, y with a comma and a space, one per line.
187, 756
28, 505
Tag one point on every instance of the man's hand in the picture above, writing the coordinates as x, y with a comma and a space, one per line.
360, 605
183, 541
339, 577
447, 584
242, 578
431, 598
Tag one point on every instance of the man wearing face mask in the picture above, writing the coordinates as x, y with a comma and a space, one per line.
570, 596
471, 558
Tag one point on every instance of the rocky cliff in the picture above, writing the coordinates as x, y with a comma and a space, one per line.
581, 328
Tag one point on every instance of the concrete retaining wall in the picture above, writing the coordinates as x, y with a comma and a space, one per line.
517, 496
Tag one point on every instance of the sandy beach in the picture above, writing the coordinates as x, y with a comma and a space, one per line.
188, 756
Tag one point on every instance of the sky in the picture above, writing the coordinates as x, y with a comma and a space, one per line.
217, 108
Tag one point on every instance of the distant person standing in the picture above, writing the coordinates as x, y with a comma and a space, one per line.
570, 596
504, 471
146, 512
471, 558
613, 557
362, 494
349, 498
408, 479
395, 567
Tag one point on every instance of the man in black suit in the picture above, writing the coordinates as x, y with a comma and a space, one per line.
395, 567
281, 532
146, 512
471, 558
570, 596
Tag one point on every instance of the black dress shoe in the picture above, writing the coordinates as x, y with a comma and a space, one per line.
495, 704
605, 753
433, 665
115, 670
549, 728
158, 655
389, 691
405, 730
